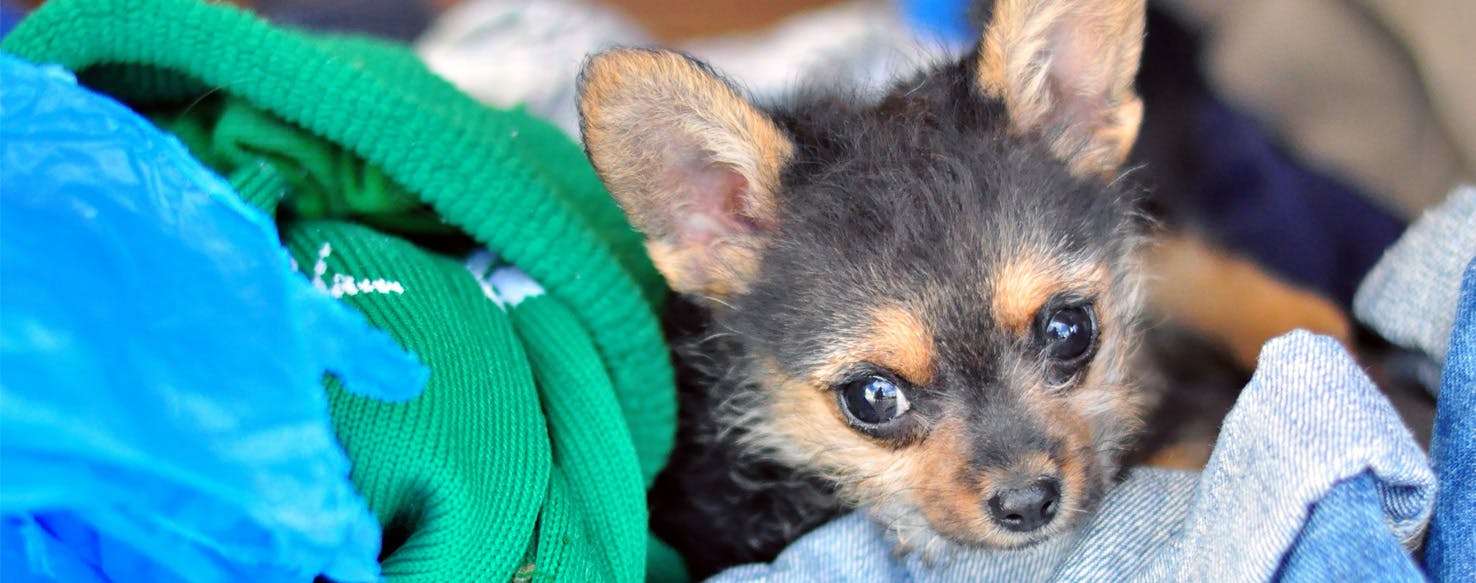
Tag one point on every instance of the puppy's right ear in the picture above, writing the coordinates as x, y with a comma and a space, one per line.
694, 165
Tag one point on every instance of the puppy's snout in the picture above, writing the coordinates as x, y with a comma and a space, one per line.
1026, 508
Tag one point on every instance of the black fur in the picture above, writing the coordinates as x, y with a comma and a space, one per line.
915, 199
716, 504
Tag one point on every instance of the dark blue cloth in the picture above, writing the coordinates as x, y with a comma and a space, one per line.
162, 416
1305, 225
1450, 553
400, 20
10, 14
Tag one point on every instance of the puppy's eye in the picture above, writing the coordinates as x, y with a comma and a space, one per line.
1068, 333
874, 400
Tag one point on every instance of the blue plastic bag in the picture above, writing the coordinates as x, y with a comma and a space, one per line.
162, 416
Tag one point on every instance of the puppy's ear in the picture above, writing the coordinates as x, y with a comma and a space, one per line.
1064, 70
694, 165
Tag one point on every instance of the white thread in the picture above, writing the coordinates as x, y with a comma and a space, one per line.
346, 285
321, 266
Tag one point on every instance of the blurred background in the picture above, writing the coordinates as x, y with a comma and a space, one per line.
1303, 135
1378, 95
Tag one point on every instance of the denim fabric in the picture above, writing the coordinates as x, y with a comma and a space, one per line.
1309, 421
1450, 554
1344, 540
1410, 295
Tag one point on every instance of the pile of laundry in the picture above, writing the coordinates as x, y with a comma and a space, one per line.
284, 304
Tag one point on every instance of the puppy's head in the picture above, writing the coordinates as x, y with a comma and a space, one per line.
934, 292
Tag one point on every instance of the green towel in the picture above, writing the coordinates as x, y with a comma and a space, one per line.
547, 414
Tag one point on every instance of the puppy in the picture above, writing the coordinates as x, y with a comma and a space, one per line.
926, 306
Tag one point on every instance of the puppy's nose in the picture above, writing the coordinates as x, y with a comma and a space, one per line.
1028, 508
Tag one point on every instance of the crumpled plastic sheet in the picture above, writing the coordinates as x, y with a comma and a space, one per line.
162, 415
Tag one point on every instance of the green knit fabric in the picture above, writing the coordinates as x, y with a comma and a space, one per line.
325, 180
436, 470
528, 454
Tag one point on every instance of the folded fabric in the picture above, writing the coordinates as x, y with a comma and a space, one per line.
1310, 458
161, 413
382, 178
1410, 295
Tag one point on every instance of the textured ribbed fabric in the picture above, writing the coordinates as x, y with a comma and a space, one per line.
457, 476
545, 418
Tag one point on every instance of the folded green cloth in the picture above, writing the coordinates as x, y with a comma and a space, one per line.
548, 413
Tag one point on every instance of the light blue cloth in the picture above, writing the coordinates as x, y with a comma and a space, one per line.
162, 416
1308, 424
1450, 554
1410, 295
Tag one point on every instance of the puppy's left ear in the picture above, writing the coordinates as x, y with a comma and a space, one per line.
1064, 70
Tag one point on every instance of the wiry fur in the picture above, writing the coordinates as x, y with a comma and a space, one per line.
925, 234
922, 200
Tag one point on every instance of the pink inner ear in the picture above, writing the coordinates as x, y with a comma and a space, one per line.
714, 203
1079, 79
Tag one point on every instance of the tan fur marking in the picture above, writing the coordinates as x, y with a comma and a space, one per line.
1185, 455
724, 274
1020, 289
900, 342
929, 479
805, 426
948, 496
1022, 286
1077, 432
1117, 137
1231, 300
805, 412
656, 126
1010, 64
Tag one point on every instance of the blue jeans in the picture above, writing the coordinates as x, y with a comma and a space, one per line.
1450, 554
1314, 473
